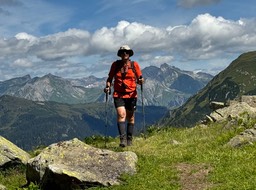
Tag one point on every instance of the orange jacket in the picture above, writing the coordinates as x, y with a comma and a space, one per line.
125, 78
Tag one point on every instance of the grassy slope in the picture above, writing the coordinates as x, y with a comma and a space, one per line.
164, 164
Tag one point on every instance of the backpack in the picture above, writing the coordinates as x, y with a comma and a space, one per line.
119, 67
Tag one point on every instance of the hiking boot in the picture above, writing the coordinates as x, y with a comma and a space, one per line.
129, 140
122, 141
121, 130
130, 127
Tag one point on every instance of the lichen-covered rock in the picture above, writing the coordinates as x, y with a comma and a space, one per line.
235, 110
2, 187
72, 164
10, 154
250, 100
246, 137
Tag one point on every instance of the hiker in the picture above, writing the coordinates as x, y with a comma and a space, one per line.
127, 75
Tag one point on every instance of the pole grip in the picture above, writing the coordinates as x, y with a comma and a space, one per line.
141, 86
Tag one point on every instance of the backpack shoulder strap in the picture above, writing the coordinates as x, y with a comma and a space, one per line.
117, 66
133, 69
132, 66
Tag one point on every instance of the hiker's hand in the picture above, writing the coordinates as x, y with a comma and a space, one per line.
107, 89
141, 81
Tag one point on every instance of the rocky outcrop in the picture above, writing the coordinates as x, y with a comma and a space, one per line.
10, 154
246, 137
76, 165
238, 109
250, 100
237, 113
234, 110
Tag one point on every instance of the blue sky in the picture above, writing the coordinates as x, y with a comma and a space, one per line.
78, 38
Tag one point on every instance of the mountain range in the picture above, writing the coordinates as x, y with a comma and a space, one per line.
165, 86
238, 79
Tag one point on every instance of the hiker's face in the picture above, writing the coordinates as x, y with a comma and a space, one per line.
125, 55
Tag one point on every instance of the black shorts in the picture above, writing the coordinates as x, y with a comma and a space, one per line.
128, 103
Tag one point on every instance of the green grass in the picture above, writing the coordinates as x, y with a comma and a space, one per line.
163, 150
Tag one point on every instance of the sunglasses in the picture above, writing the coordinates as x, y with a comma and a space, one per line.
125, 52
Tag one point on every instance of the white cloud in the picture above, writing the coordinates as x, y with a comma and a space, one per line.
25, 36
22, 63
137, 35
62, 45
155, 60
206, 37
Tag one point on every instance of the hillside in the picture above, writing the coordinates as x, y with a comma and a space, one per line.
179, 158
238, 79
29, 123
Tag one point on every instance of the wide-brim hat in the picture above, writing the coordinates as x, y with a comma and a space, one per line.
125, 48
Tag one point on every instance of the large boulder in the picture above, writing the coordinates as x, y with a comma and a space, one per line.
10, 154
76, 165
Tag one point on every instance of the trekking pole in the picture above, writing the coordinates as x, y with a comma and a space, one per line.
106, 116
143, 111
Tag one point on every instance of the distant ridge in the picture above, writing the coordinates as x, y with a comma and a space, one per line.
29, 123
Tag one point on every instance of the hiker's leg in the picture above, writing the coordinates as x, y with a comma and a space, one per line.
130, 127
121, 115
130, 117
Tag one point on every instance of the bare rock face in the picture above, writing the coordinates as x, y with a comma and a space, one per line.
76, 165
10, 154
